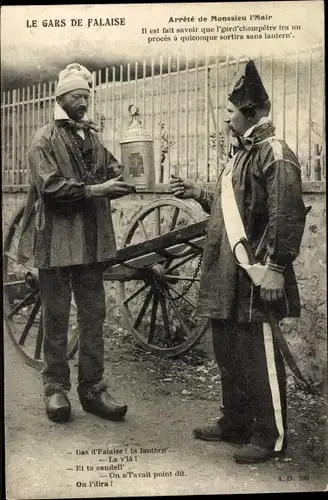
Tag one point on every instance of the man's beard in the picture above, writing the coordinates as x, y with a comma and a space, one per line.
78, 113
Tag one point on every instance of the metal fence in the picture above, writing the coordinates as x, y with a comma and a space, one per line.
182, 103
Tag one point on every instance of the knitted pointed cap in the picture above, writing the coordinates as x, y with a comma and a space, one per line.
73, 77
247, 89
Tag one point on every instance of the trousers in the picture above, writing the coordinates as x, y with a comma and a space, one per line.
253, 380
56, 287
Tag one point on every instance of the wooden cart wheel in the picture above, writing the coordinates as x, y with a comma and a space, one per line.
22, 304
160, 310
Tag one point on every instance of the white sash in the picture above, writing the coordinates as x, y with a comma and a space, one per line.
235, 228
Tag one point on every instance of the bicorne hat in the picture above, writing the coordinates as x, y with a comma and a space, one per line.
247, 89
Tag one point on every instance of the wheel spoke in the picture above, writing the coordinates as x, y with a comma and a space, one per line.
157, 221
180, 318
165, 320
21, 304
30, 320
143, 308
143, 230
135, 293
183, 261
10, 255
179, 255
147, 311
183, 297
174, 218
14, 258
172, 226
14, 283
153, 319
39, 340
181, 278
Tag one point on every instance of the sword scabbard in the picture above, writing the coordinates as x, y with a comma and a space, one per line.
284, 348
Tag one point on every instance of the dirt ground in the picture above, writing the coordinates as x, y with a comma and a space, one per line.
152, 452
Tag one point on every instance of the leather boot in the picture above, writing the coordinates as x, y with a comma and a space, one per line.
219, 432
254, 454
58, 407
103, 405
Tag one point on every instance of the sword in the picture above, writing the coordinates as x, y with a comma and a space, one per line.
243, 249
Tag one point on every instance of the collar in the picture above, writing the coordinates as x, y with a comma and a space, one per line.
264, 119
259, 132
63, 119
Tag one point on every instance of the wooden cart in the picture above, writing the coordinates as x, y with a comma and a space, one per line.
157, 273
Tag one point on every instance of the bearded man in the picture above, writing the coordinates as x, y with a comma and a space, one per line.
72, 240
267, 187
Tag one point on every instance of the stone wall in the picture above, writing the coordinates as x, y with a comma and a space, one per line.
306, 336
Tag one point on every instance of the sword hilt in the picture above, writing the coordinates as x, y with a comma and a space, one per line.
248, 249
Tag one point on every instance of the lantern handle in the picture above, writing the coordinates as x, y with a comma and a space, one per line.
134, 113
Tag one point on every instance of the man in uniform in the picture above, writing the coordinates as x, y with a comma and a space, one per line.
71, 236
266, 180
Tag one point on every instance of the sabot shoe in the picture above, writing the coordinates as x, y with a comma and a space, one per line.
58, 407
104, 406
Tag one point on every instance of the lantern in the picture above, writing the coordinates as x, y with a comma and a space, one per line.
137, 153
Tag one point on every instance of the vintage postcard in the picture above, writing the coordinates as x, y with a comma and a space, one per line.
113, 384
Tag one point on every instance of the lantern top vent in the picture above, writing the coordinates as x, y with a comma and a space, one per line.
135, 131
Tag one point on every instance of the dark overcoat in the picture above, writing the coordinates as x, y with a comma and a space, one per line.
61, 226
268, 189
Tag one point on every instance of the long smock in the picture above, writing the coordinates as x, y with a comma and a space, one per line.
61, 226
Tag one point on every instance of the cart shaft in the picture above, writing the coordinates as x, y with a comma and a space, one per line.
133, 269
164, 241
